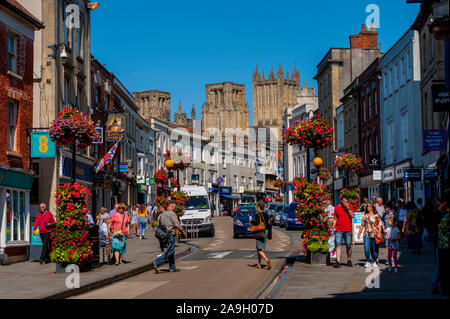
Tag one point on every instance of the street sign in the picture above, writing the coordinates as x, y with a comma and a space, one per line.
220, 180
150, 182
42, 145
434, 140
412, 174
140, 179
280, 169
100, 133
123, 168
441, 98
115, 127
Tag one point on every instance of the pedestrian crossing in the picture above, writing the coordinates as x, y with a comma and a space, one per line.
232, 254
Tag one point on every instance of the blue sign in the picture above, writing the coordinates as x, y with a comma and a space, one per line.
123, 168
430, 173
100, 133
214, 188
42, 145
412, 174
434, 140
83, 171
225, 190
220, 180
280, 169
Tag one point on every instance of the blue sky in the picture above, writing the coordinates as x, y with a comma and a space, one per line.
179, 46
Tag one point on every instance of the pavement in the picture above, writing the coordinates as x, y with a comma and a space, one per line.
31, 280
300, 280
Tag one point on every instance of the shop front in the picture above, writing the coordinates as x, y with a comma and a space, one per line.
213, 194
370, 187
228, 201
15, 223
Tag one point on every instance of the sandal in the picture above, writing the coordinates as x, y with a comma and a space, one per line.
258, 266
269, 266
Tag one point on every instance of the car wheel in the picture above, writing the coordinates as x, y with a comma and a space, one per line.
212, 233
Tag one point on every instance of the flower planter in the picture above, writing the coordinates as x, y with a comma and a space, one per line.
319, 258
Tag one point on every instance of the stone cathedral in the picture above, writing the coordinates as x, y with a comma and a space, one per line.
153, 104
272, 96
225, 107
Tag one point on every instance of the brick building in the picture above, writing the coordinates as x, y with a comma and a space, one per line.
17, 27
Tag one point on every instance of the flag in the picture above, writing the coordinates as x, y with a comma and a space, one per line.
107, 158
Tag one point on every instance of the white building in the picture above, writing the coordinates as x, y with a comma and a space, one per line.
400, 118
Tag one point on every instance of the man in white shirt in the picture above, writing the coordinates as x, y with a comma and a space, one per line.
380, 207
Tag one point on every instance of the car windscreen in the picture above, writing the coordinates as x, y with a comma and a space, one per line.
279, 208
271, 207
246, 211
197, 202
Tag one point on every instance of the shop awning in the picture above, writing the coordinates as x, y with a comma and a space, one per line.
229, 197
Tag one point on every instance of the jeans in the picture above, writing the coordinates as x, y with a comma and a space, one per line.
46, 246
168, 256
392, 254
342, 236
142, 221
370, 248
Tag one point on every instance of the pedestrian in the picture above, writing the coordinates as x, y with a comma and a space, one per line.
142, 220
388, 214
103, 214
89, 219
329, 209
401, 219
420, 204
412, 227
113, 211
120, 224
170, 221
374, 200
262, 216
133, 223
393, 242
105, 235
343, 215
45, 222
363, 206
155, 217
380, 207
221, 207
371, 225
443, 249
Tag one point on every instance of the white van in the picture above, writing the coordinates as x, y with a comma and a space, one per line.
197, 210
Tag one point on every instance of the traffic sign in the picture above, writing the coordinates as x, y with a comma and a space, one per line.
150, 182
220, 180
42, 145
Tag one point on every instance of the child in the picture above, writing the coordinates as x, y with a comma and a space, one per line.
393, 237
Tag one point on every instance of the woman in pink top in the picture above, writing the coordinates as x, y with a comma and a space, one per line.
118, 241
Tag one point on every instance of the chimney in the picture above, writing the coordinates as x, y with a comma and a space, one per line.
366, 39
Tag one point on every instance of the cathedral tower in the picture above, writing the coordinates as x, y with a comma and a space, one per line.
153, 104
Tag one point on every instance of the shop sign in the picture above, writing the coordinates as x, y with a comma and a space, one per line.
374, 162
123, 168
388, 175
430, 173
115, 127
399, 170
434, 140
377, 175
225, 190
412, 175
150, 181
42, 145
100, 133
140, 179
441, 98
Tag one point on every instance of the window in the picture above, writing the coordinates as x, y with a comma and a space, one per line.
369, 106
79, 98
375, 106
236, 180
15, 215
12, 53
243, 181
363, 107
369, 142
12, 125
80, 38
404, 133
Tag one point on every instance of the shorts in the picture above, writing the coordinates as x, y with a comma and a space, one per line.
344, 235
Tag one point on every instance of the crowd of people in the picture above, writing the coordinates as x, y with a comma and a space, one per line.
391, 225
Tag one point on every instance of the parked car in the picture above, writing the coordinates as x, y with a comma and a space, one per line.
241, 225
283, 213
292, 221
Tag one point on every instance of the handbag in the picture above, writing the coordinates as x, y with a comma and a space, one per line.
162, 233
118, 232
258, 231
379, 239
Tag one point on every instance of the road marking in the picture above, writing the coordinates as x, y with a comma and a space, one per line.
219, 255
188, 268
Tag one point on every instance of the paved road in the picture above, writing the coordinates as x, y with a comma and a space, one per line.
221, 268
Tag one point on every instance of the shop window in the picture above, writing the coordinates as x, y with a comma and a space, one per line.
12, 125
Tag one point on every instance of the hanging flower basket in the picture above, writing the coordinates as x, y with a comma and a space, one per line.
324, 174
352, 194
70, 240
73, 126
180, 162
314, 133
279, 183
348, 162
161, 177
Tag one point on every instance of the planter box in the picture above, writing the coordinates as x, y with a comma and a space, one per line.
319, 258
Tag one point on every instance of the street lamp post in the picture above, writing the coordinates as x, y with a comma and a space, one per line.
307, 116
